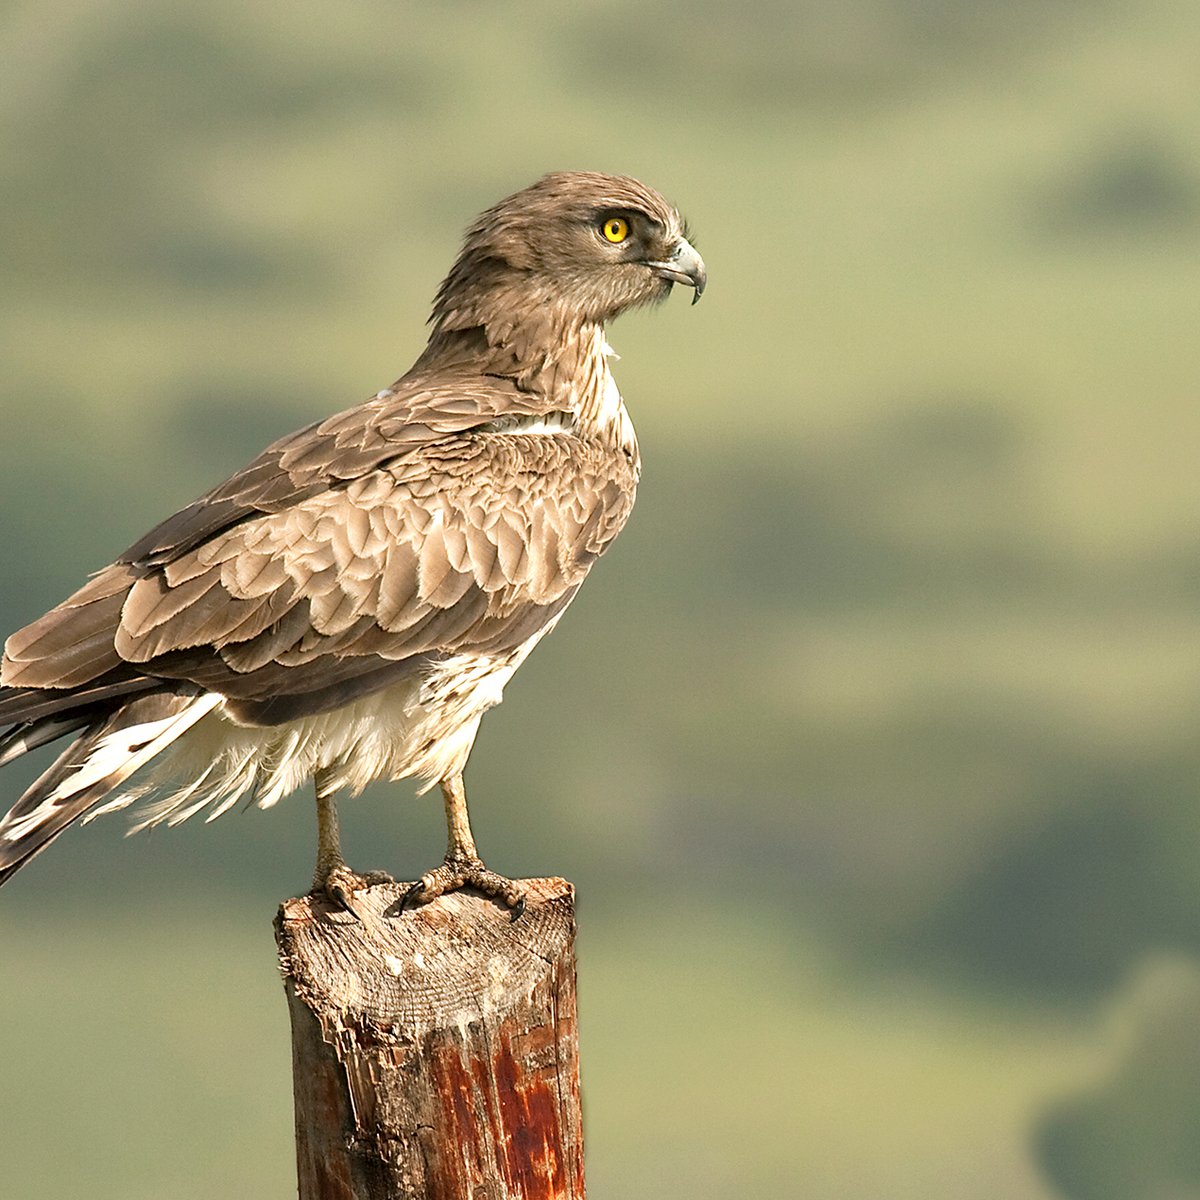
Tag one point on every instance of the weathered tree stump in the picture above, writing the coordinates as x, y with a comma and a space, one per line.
435, 1052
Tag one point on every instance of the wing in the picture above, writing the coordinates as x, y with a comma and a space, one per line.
469, 546
348, 445
73, 644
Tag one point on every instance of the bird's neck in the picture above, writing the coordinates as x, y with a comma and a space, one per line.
563, 362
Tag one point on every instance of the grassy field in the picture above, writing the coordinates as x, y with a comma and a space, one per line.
871, 745
154, 1043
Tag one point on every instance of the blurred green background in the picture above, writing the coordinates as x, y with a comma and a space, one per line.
870, 746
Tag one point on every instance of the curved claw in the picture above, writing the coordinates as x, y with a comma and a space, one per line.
411, 896
342, 898
340, 884
455, 873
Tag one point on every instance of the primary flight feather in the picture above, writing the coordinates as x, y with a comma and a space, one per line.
348, 606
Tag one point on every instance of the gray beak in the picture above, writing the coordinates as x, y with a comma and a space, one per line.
684, 266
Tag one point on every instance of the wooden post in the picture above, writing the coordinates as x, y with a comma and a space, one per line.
434, 1051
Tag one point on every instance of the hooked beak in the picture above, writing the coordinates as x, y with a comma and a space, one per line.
684, 266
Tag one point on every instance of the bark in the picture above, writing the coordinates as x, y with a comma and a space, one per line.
435, 1051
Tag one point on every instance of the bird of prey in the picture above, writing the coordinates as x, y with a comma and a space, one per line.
348, 606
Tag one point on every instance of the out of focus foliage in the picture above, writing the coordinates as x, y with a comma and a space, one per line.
871, 746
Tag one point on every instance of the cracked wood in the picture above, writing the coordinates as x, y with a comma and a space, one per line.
435, 1051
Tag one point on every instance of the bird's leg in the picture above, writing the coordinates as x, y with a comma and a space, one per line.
332, 877
460, 841
463, 867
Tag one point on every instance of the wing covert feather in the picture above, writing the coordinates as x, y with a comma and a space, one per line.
345, 448
473, 553
469, 544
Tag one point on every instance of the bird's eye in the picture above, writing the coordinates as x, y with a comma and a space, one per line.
615, 229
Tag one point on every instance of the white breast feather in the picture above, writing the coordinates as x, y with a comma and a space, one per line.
422, 727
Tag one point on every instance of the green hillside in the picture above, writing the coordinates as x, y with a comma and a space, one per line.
871, 745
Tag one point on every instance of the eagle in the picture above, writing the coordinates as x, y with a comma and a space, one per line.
347, 607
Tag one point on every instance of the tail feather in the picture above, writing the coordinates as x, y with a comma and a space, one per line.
29, 735
20, 704
108, 752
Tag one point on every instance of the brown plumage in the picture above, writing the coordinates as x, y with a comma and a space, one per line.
348, 605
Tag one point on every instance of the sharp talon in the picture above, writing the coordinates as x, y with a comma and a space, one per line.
412, 895
344, 900
459, 872
339, 885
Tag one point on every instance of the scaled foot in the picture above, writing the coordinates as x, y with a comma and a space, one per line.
340, 883
459, 872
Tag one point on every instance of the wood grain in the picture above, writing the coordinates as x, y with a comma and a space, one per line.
435, 1051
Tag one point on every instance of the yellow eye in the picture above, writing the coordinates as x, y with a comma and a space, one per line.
616, 230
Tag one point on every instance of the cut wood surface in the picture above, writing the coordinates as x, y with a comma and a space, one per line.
435, 1051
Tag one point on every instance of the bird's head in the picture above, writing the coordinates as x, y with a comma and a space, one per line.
576, 243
